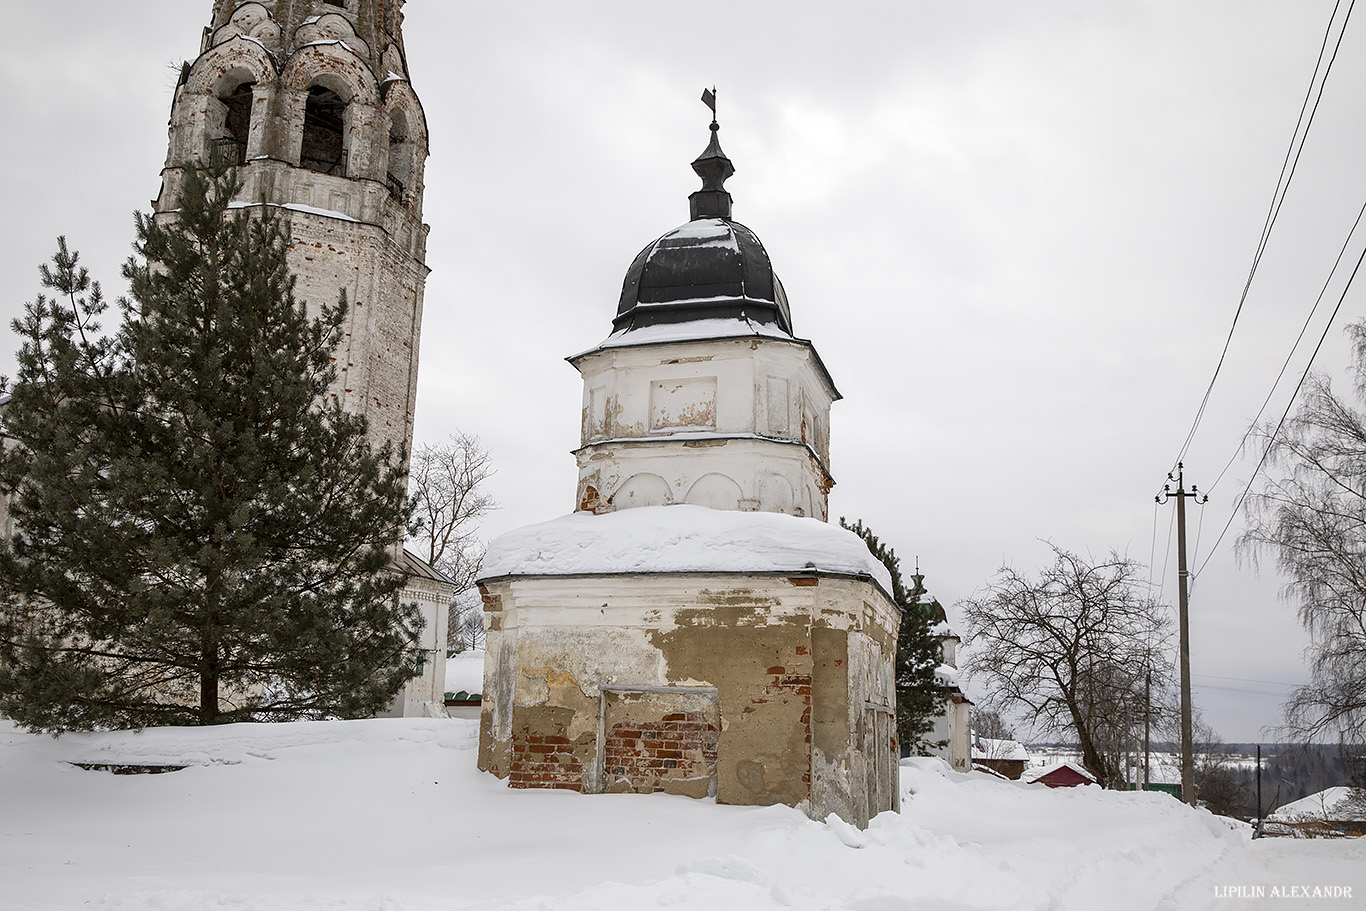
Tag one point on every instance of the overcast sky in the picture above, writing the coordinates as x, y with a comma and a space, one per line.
1016, 233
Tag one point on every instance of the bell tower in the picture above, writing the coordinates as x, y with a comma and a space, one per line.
311, 98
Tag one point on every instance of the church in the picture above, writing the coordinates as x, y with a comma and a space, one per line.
696, 626
311, 99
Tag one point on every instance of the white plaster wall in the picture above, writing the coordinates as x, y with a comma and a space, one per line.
731, 423
764, 475
954, 727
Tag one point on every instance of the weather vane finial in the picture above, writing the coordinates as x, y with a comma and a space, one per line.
709, 99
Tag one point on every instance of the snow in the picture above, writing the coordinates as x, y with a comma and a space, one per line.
392, 814
684, 435
694, 330
680, 538
947, 673
465, 671
293, 207
702, 232
701, 229
1329, 804
987, 748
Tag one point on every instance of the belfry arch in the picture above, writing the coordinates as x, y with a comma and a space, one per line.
323, 145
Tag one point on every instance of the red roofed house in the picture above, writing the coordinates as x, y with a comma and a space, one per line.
1060, 775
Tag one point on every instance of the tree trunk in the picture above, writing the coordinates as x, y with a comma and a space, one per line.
208, 671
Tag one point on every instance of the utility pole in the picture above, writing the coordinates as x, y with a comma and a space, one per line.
1147, 726
1258, 830
1183, 599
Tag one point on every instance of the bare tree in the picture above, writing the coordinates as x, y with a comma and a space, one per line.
987, 722
1068, 651
466, 629
446, 482
1310, 514
1217, 783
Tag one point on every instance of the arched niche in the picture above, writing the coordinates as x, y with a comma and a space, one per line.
642, 489
715, 491
775, 495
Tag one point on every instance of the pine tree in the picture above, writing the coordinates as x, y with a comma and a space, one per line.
201, 534
920, 698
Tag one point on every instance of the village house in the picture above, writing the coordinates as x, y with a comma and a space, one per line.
1008, 758
1065, 774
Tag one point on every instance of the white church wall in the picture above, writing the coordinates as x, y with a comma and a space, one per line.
730, 423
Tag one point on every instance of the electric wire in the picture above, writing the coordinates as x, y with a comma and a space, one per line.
1152, 550
1293, 348
1287, 174
1271, 440
1236, 689
1247, 680
1166, 554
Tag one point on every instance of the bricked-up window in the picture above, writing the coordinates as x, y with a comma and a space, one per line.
324, 132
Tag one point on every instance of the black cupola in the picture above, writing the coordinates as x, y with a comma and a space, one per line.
710, 268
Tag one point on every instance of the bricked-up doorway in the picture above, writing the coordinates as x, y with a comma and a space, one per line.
659, 739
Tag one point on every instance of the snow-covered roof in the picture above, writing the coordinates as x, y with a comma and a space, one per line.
695, 330
947, 673
1037, 773
1329, 804
465, 671
942, 631
987, 748
681, 538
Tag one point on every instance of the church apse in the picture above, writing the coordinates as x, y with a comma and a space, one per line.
695, 626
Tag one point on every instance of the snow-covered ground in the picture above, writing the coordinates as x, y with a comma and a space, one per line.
392, 815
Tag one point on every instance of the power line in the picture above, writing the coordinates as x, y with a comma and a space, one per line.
1293, 348
1152, 552
1166, 555
1287, 174
1271, 440
1247, 680
1237, 689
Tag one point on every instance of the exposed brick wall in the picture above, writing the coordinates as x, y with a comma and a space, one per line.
796, 687
682, 745
544, 761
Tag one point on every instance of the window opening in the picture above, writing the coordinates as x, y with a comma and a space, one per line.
399, 175
324, 128
236, 123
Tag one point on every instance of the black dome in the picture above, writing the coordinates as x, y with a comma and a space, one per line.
709, 268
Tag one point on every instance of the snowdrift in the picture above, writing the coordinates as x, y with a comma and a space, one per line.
391, 814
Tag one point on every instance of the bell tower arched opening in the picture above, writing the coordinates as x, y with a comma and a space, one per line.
400, 168
236, 121
324, 140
